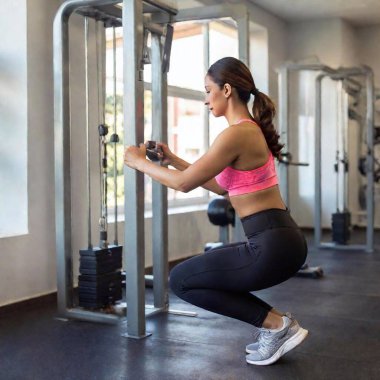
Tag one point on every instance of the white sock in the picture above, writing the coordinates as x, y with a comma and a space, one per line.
282, 327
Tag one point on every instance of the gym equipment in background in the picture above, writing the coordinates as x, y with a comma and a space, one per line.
286, 159
341, 218
220, 213
358, 83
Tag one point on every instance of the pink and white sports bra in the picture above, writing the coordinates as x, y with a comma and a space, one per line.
238, 182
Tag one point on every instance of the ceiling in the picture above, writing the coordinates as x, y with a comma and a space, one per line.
357, 12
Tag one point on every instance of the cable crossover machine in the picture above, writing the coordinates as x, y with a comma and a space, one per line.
357, 83
100, 270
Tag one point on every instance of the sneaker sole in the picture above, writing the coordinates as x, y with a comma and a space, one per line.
251, 351
291, 343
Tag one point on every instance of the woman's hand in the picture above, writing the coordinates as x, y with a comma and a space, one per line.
133, 155
167, 155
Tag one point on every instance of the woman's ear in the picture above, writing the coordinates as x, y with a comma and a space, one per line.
227, 89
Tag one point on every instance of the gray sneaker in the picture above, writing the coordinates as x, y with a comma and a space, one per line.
273, 345
253, 347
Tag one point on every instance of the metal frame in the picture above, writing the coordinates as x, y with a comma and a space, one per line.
63, 165
342, 74
336, 74
132, 16
159, 192
132, 19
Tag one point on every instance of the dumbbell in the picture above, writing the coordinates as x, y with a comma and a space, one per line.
153, 152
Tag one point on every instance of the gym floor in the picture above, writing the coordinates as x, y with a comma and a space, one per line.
341, 312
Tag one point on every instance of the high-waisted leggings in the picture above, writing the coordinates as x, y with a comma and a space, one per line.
222, 279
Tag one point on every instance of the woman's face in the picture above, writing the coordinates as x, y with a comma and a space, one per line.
215, 97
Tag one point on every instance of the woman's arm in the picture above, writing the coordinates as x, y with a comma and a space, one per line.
221, 153
210, 185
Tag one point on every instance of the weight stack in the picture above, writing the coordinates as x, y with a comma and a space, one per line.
100, 282
341, 222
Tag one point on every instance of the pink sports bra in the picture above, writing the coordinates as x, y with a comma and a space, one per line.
238, 182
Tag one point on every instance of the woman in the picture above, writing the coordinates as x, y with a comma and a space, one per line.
240, 164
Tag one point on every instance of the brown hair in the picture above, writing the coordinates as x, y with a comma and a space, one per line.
234, 72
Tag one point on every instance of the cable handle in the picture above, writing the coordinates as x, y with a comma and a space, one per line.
153, 152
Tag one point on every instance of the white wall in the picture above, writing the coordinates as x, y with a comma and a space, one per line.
276, 37
27, 263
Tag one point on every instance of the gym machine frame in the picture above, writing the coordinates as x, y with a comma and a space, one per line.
341, 74
132, 19
133, 24
337, 74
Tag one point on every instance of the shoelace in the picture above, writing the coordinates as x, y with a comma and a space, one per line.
266, 343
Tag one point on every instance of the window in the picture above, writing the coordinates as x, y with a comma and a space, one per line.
189, 129
14, 114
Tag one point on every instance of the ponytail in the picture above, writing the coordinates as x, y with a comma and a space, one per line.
237, 74
263, 112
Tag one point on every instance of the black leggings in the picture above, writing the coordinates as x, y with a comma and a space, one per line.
221, 279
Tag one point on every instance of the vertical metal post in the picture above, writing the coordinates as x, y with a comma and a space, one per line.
87, 116
243, 38
318, 163
62, 163
224, 234
133, 107
283, 105
116, 240
206, 65
159, 192
370, 161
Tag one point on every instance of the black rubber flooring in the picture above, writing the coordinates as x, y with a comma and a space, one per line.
341, 312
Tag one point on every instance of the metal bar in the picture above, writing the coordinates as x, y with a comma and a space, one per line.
108, 19
370, 87
62, 163
116, 242
203, 13
344, 247
87, 128
62, 150
243, 38
133, 107
206, 112
159, 192
99, 80
283, 105
291, 66
224, 234
163, 7
318, 163
179, 92
90, 316
154, 28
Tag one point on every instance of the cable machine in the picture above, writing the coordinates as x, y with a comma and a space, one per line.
132, 15
349, 78
136, 17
